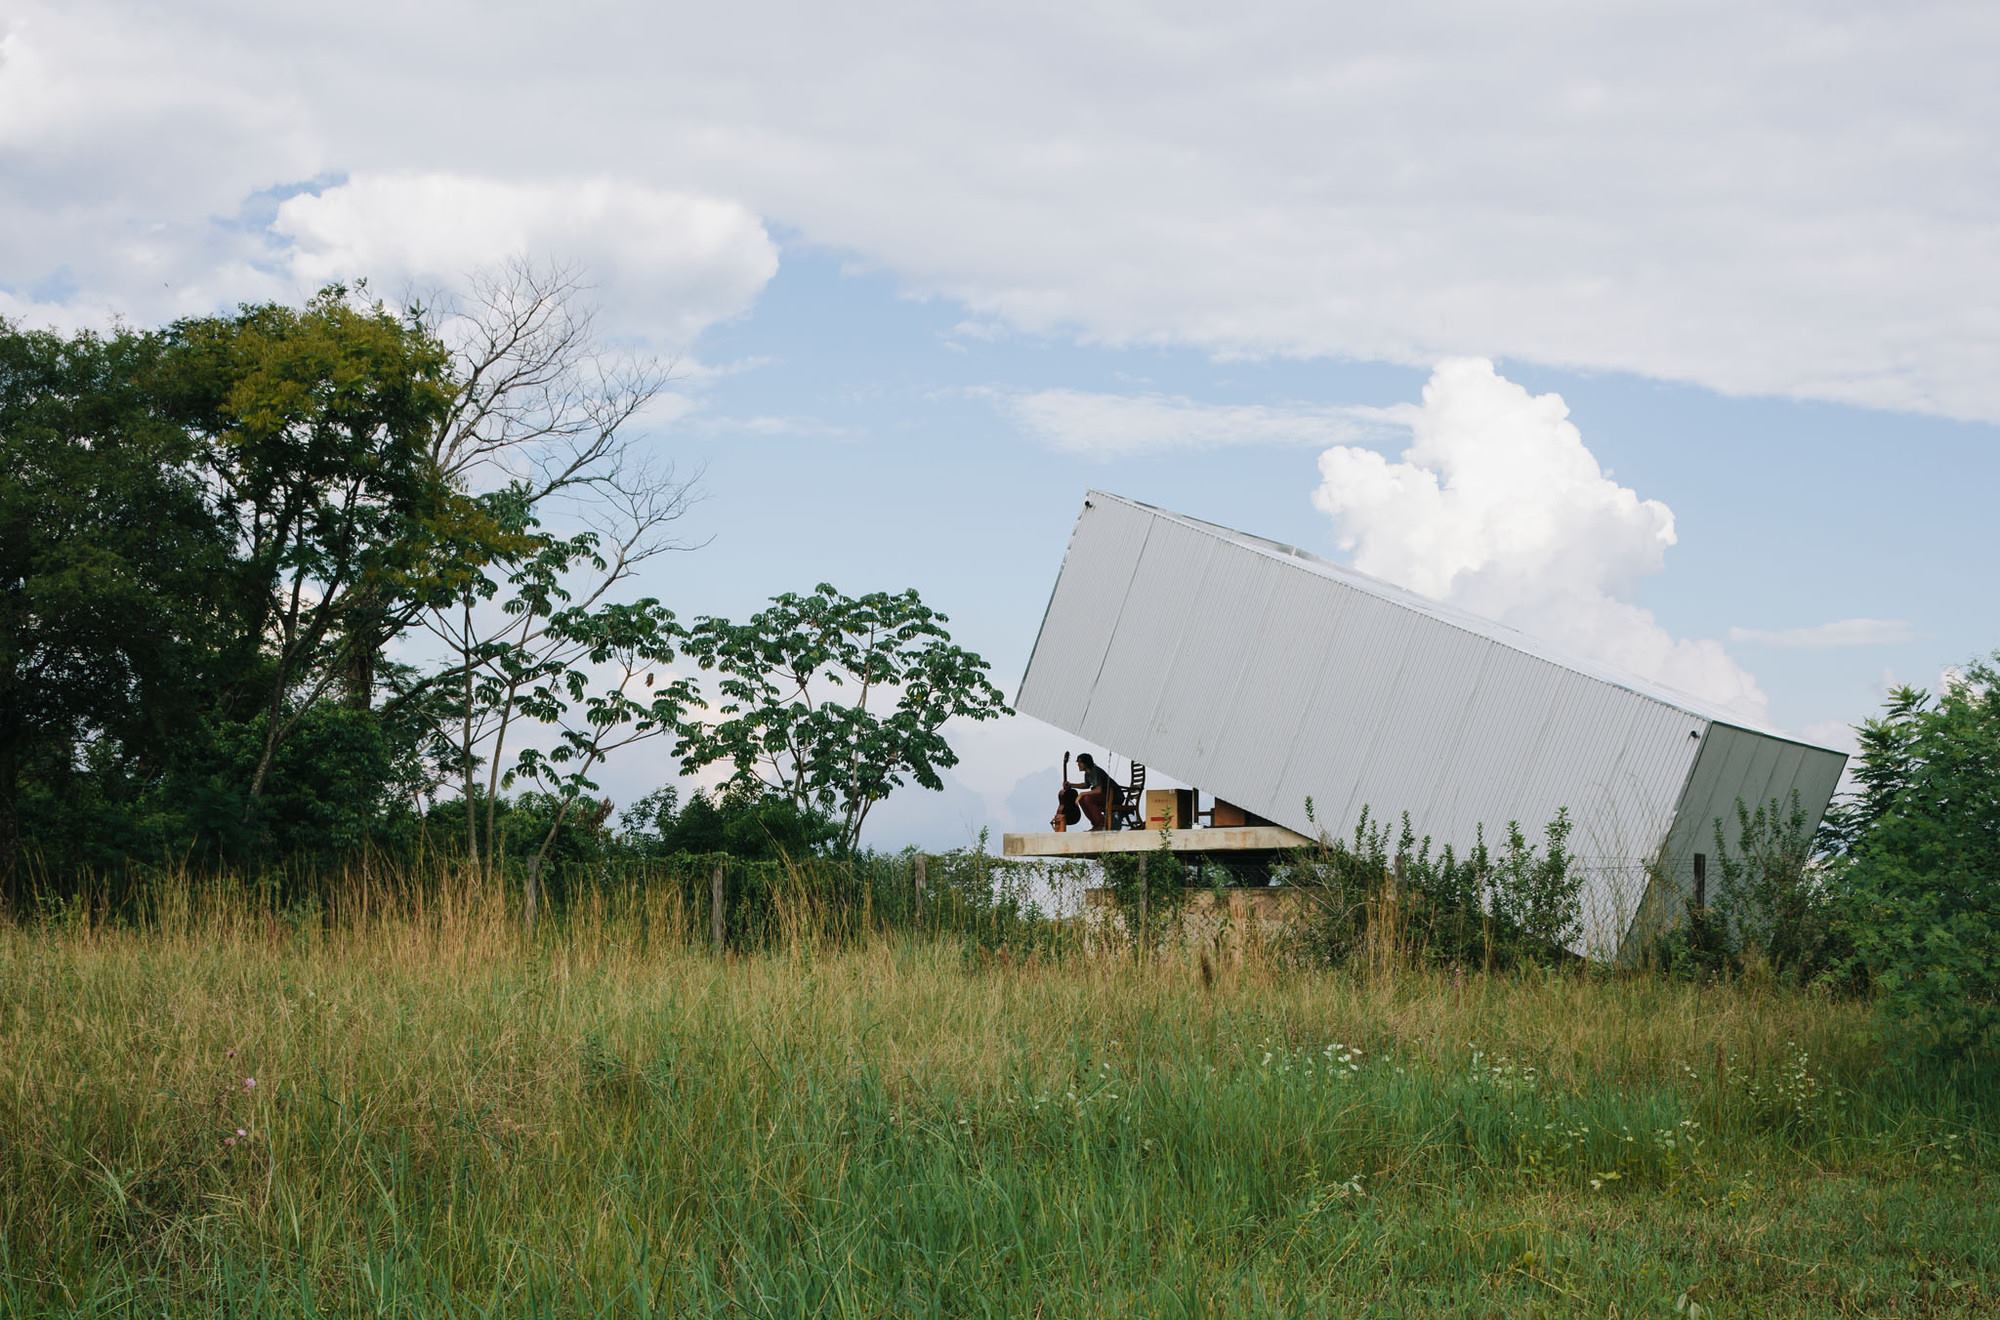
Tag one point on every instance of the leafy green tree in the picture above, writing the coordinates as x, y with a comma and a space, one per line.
315, 429
210, 535
1923, 867
112, 569
613, 693
1882, 766
835, 701
757, 825
538, 430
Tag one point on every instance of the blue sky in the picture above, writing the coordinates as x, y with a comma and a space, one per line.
932, 273
903, 466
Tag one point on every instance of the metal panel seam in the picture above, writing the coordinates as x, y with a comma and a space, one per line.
1137, 560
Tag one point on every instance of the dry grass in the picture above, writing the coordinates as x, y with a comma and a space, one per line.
449, 1118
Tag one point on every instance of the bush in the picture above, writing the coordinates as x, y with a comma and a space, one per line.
1773, 905
1391, 893
1922, 869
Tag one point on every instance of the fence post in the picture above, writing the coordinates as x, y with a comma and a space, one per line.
1140, 948
919, 867
718, 926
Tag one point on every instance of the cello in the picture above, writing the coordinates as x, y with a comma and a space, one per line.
1068, 812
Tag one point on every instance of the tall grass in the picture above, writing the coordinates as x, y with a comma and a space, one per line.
857, 1118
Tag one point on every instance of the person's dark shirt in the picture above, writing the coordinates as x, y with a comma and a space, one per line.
1095, 778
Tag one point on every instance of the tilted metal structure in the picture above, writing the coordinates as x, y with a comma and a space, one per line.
1269, 678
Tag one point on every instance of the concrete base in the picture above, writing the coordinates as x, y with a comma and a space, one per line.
1224, 921
1096, 843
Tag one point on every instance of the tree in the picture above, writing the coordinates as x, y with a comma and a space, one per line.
537, 426
1882, 766
1921, 869
592, 718
833, 701
316, 429
755, 824
112, 568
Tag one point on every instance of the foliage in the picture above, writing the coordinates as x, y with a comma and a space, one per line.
206, 533
212, 535
1920, 868
1884, 760
1774, 906
1766, 891
1386, 894
758, 826
592, 719
1153, 886
112, 576
313, 428
835, 701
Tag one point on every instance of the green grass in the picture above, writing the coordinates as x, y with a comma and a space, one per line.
448, 1120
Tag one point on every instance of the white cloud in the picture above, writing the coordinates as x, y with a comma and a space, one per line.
1498, 506
1695, 192
1837, 734
1115, 425
1827, 636
663, 265
774, 427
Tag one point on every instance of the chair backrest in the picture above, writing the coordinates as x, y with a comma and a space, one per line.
1130, 797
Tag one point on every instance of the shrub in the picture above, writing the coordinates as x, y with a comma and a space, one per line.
1378, 890
1773, 905
1922, 870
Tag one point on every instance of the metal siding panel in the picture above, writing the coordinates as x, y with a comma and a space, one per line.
1332, 735
1510, 708
1756, 767
1748, 786
1126, 705
1817, 780
1739, 750
1282, 668
1692, 815
1549, 766
1083, 613
1209, 670
1416, 730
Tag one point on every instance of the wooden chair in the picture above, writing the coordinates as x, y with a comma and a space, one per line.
1127, 814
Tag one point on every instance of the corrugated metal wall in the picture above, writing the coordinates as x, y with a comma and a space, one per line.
1735, 765
1270, 679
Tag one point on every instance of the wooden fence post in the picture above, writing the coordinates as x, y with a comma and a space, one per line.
1140, 947
718, 925
921, 865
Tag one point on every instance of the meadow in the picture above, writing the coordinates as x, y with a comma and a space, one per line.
412, 1108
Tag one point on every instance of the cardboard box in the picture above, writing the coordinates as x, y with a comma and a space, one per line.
1163, 809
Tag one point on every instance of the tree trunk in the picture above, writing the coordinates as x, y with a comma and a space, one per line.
270, 752
364, 646
531, 886
465, 752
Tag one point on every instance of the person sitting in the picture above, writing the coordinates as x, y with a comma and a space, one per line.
1098, 793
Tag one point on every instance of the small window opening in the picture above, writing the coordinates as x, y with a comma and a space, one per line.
1701, 880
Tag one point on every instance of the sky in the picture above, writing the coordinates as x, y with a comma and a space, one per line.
1667, 332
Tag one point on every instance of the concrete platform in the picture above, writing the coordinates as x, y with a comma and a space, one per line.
1096, 843
1226, 921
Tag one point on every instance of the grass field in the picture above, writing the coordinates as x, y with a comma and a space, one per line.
447, 1119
